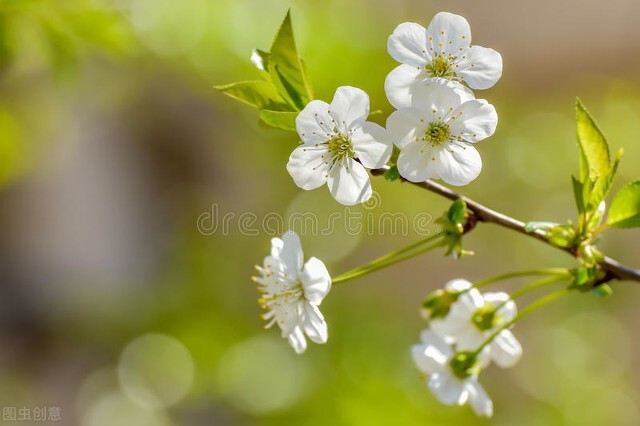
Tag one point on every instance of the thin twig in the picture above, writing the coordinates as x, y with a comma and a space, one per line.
481, 213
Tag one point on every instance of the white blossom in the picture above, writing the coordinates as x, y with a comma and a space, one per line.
474, 317
441, 51
337, 144
451, 376
436, 135
292, 291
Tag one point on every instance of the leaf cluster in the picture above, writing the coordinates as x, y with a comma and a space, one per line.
284, 89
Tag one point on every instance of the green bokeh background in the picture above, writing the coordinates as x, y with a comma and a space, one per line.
113, 144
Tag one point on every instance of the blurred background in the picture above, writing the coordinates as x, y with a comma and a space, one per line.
125, 257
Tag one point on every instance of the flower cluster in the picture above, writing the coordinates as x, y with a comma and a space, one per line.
436, 124
438, 120
468, 330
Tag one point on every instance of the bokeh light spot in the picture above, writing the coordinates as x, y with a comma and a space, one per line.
155, 371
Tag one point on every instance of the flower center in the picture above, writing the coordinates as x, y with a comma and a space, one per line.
437, 133
277, 288
438, 304
441, 66
464, 365
340, 148
486, 317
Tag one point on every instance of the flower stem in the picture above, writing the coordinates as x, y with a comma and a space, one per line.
389, 259
537, 284
527, 310
533, 286
562, 272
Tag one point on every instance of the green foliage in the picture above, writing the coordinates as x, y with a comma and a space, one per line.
534, 226
287, 69
258, 94
279, 119
392, 174
60, 34
597, 172
557, 234
594, 159
625, 208
285, 89
457, 213
453, 223
602, 290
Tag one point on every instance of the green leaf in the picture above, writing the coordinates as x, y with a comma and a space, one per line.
578, 194
286, 69
534, 226
457, 211
392, 174
258, 94
594, 159
280, 120
603, 290
602, 185
625, 208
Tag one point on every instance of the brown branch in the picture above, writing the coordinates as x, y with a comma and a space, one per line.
481, 213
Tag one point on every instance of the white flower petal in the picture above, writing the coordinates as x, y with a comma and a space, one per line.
481, 67
458, 285
288, 317
408, 44
484, 358
450, 327
508, 310
405, 125
276, 247
401, 83
475, 120
314, 324
430, 338
506, 351
471, 300
274, 264
428, 359
448, 33
417, 162
349, 108
291, 253
315, 280
478, 398
314, 124
297, 340
458, 164
448, 389
349, 183
372, 145
470, 338
308, 166
440, 95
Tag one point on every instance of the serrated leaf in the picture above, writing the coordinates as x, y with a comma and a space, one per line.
534, 226
625, 208
595, 160
258, 94
286, 68
279, 119
603, 184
